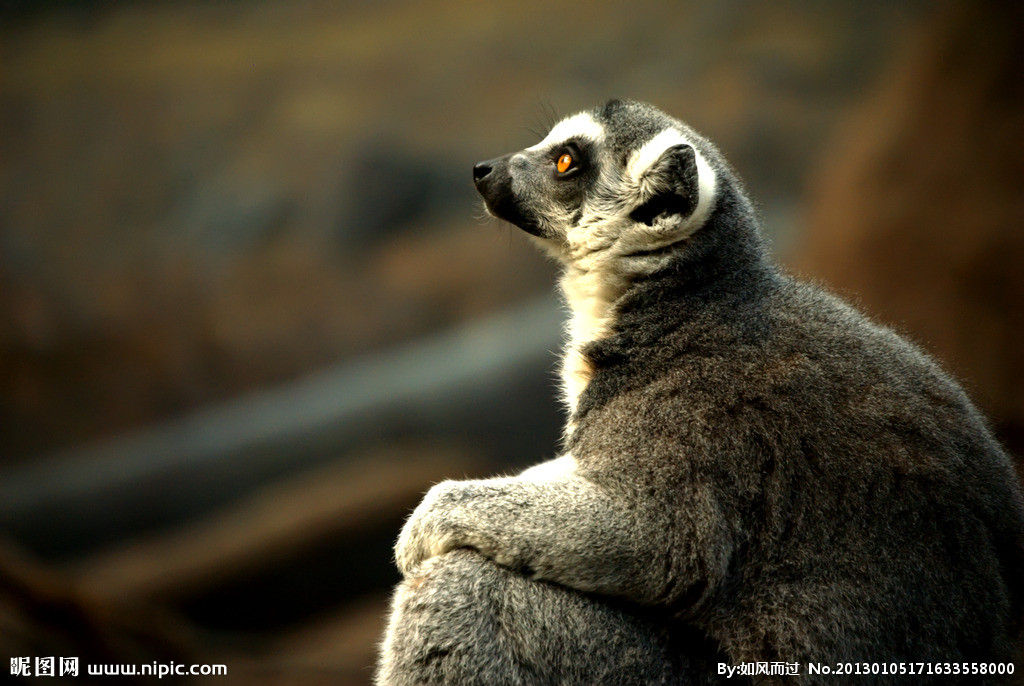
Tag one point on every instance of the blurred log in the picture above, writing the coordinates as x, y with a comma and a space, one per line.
919, 211
336, 503
483, 383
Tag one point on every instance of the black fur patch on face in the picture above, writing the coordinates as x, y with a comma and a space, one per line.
496, 189
504, 205
569, 191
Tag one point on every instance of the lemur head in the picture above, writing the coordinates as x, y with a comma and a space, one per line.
619, 187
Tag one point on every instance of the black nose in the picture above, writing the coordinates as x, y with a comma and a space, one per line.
480, 170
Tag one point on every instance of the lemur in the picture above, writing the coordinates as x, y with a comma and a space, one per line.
753, 470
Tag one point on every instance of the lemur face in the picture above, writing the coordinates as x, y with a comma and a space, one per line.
621, 184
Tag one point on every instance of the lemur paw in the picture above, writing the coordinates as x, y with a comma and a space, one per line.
427, 533
446, 519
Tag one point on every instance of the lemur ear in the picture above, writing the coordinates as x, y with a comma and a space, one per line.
669, 186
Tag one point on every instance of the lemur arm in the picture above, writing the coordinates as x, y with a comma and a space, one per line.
557, 525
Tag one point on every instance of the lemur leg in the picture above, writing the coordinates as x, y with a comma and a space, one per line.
461, 619
553, 523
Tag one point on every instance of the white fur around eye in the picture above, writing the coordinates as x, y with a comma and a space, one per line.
580, 125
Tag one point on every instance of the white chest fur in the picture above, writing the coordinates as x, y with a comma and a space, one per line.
590, 296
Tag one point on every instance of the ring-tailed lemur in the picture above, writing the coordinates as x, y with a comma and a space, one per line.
754, 471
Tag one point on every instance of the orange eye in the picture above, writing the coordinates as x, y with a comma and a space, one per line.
564, 162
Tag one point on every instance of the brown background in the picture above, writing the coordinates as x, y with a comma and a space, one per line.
219, 220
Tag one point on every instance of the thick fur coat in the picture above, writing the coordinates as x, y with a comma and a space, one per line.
754, 471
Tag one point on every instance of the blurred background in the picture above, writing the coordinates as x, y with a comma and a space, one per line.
250, 308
